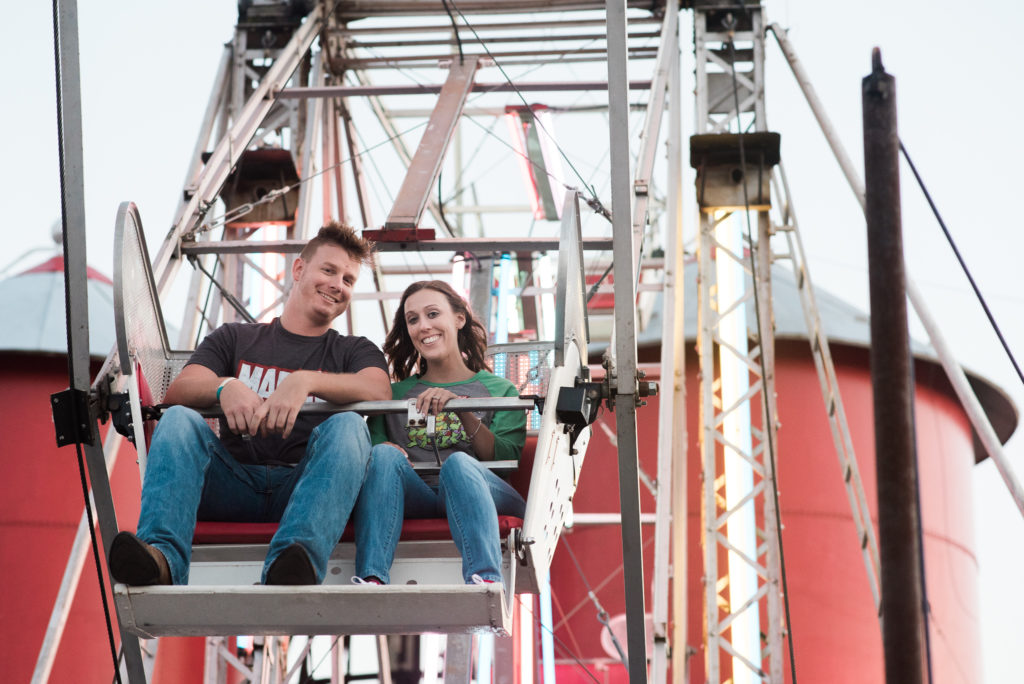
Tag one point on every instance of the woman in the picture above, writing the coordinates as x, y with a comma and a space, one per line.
436, 351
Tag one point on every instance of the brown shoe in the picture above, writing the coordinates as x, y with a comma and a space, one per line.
136, 563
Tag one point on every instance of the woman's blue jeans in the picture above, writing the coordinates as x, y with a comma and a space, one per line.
190, 476
472, 496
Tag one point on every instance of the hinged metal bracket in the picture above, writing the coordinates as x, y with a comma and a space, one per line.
71, 417
121, 414
578, 406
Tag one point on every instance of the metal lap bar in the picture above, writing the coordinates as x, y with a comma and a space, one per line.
502, 468
475, 245
374, 408
426, 163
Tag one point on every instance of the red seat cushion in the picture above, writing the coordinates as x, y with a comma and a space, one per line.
260, 533
412, 530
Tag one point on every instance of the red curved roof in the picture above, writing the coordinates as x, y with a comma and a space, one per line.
56, 264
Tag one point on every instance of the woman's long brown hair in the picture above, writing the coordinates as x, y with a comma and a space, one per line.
398, 346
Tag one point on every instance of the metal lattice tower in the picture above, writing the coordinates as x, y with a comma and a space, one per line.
735, 348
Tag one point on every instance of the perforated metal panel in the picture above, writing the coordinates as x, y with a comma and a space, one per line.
527, 365
139, 322
556, 463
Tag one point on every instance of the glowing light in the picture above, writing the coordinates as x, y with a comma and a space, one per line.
430, 653
526, 639
741, 529
458, 281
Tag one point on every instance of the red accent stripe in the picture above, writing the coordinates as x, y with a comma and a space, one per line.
427, 529
56, 265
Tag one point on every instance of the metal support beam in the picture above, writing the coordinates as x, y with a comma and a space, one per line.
507, 58
75, 290
480, 27
432, 89
363, 197
393, 134
426, 163
625, 381
670, 506
481, 283
69, 582
383, 659
829, 382
679, 658
458, 657
228, 151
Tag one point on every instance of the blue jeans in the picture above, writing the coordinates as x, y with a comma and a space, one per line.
470, 494
190, 476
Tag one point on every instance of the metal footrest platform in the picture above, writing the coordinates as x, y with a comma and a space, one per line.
224, 597
326, 609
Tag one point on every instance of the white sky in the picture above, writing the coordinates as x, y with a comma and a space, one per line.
147, 69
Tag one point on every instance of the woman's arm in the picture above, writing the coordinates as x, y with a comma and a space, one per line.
503, 439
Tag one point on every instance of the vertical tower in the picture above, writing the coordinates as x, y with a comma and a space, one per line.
733, 156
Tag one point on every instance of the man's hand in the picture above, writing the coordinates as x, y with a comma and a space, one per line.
241, 406
278, 413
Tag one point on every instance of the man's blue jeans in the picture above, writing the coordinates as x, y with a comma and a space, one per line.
472, 496
190, 476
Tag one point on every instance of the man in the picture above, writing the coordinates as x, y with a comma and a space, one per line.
269, 464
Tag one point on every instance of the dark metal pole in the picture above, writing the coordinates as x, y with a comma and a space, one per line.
625, 385
898, 521
86, 432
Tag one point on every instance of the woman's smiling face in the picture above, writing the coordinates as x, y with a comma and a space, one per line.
433, 326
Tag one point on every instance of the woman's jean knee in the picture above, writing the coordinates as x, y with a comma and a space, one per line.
190, 474
469, 494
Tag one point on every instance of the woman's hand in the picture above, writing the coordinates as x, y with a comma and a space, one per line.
433, 400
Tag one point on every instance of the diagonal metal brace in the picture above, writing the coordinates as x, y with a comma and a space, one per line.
426, 162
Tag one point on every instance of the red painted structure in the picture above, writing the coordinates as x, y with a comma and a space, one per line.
836, 633
835, 630
42, 500
39, 516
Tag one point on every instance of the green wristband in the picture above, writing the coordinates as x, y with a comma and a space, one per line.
220, 388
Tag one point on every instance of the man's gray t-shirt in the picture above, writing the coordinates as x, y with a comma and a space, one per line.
261, 355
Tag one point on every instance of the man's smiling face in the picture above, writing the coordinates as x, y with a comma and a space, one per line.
323, 285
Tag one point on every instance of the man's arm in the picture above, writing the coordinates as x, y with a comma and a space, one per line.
369, 384
197, 385
278, 412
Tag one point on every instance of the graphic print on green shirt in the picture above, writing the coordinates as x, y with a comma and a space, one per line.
448, 432
508, 427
